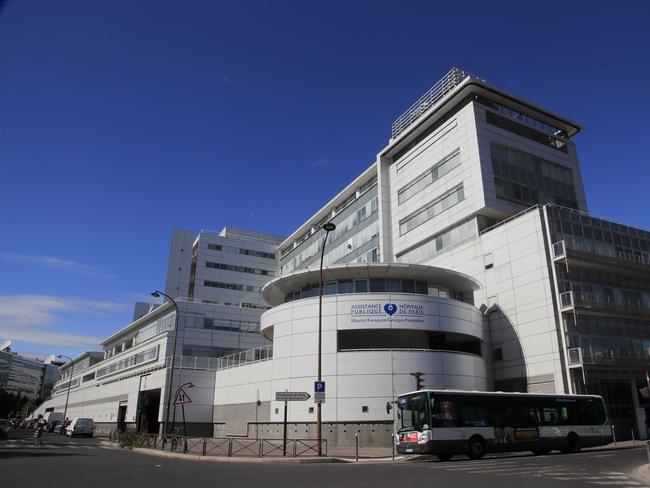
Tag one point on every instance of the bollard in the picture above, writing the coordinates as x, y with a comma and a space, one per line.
614, 434
356, 441
633, 439
205, 445
392, 437
648, 451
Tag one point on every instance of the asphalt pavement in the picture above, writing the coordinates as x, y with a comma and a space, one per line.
84, 463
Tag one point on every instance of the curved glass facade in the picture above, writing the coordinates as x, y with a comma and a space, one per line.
373, 285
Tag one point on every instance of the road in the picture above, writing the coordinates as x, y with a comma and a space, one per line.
83, 463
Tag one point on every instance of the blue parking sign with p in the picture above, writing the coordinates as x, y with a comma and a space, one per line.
319, 386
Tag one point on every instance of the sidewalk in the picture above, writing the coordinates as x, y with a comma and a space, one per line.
348, 455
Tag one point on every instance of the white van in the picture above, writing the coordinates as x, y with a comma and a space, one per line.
80, 426
51, 417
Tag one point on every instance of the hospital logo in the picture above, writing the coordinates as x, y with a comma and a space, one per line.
390, 308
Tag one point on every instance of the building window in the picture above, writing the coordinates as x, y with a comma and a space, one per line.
488, 261
214, 247
428, 248
311, 409
277, 411
524, 178
431, 210
440, 169
364, 409
497, 354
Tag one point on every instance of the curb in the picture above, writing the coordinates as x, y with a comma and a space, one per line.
225, 459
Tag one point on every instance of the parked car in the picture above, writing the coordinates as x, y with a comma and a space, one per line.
4, 429
80, 426
60, 429
51, 426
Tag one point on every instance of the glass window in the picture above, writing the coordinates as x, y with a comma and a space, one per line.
345, 286
329, 288
377, 285
445, 412
408, 286
393, 285
360, 286
474, 415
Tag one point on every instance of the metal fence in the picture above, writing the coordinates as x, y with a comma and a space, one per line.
230, 446
448, 82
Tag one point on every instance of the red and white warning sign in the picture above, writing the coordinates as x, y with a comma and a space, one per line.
182, 397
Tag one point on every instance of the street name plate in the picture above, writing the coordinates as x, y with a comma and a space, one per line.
291, 396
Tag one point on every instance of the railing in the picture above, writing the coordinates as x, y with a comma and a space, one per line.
230, 446
509, 219
559, 249
607, 302
448, 82
566, 300
604, 249
256, 355
574, 356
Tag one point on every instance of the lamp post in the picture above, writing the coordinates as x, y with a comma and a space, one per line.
65, 410
171, 373
328, 227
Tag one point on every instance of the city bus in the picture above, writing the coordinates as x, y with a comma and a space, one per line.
448, 422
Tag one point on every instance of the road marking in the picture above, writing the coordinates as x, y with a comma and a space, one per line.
617, 483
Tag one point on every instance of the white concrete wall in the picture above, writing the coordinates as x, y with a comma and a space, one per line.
353, 378
520, 284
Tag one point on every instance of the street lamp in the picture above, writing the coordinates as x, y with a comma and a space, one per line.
65, 410
171, 373
328, 227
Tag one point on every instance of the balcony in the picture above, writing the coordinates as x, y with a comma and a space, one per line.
592, 303
599, 254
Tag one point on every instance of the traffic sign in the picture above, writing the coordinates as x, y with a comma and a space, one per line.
319, 392
291, 396
182, 397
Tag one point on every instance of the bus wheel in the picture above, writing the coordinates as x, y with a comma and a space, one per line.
476, 448
572, 444
541, 452
444, 457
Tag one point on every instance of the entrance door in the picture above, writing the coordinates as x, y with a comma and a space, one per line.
121, 418
148, 407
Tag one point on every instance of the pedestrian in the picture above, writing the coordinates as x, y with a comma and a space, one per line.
38, 432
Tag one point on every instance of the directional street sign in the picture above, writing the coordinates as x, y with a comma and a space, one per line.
319, 392
182, 397
291, 396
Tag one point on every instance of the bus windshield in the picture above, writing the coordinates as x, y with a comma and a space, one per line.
414, 411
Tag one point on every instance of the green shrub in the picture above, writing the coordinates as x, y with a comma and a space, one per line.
130, 439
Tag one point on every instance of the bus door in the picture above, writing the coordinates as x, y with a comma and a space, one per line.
526, 425
501, 418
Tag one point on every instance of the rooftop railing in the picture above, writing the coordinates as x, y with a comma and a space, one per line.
448, 82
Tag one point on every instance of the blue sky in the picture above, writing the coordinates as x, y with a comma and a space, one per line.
122, 120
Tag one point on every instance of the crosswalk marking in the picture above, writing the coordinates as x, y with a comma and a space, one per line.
509, 467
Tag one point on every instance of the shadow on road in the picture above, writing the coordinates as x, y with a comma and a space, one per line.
34, 454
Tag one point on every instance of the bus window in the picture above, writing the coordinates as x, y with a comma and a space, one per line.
590, 412
474, 415
548, 416
525, 416
445, 412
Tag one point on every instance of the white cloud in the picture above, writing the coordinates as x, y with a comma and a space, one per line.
53, 263
34, 318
